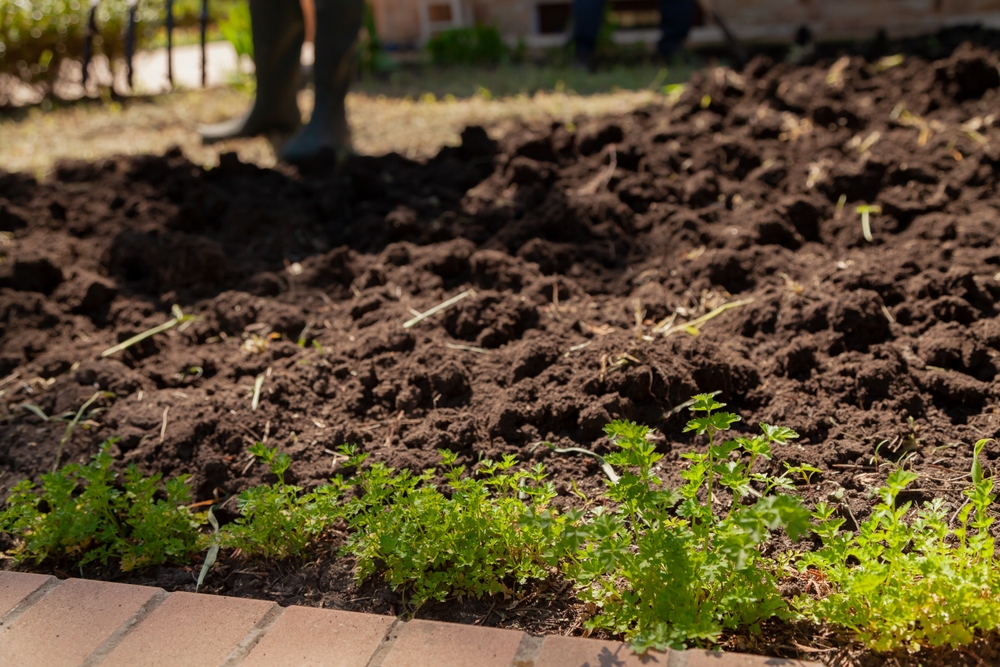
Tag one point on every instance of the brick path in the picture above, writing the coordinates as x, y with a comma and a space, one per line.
46, 622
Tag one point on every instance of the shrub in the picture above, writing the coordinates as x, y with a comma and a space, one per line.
83, 516
479, 45
236, 29
37, 35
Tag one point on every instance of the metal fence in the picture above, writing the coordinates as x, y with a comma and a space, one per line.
93, 31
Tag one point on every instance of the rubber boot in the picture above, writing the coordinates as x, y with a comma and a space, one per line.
278, 30
337, 25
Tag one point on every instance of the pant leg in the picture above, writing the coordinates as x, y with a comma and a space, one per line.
278, 30
587, 17
337, 25
676, 21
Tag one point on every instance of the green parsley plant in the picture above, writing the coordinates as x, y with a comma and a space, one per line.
468, 540
908, 584
84, 515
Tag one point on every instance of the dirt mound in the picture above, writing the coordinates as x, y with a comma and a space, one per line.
578, 241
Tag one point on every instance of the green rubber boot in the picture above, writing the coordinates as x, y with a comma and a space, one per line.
337, 25
278, 31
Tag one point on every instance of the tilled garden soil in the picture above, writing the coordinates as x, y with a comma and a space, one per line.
580, 243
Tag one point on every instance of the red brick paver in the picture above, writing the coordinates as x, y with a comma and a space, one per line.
189, 630
576, 652
15, 586
430, 644
309, 637
69, 623
717, 659
79, 623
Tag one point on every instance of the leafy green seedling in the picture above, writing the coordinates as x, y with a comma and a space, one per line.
866, 226
805, 470
279, 462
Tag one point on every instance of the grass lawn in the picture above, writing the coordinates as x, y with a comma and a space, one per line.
414, 111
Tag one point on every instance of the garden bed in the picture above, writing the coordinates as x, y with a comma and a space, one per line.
581, 252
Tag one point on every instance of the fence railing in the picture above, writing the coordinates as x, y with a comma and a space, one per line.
130, 39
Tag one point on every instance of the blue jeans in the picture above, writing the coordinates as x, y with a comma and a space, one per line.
676, 19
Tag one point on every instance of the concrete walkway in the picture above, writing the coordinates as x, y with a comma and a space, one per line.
150, 67
47, 622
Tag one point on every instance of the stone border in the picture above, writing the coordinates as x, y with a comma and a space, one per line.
47, 622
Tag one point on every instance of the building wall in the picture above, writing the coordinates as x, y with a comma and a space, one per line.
399, 20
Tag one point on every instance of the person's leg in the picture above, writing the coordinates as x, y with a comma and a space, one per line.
676, 21
337, 25
278, 30
587, 18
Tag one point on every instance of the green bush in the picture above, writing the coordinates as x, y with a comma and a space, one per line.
37, 35
235, 27
373, 57
82, 515
479, 45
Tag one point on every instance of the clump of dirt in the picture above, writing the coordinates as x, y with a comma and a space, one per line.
582, 243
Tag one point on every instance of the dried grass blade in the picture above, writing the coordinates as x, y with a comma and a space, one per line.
605, 466
178, 318
438, 308
35, 410
75, 421
467, 348
698, 321
257, 384
213, 551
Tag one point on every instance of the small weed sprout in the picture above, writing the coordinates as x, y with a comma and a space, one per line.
805, 470
73, 422
259, 344
866, 225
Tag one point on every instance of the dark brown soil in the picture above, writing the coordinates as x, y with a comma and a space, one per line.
871, 351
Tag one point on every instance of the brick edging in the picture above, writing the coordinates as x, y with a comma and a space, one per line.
47, 622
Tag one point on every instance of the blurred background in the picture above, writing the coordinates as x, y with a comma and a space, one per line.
124, 77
